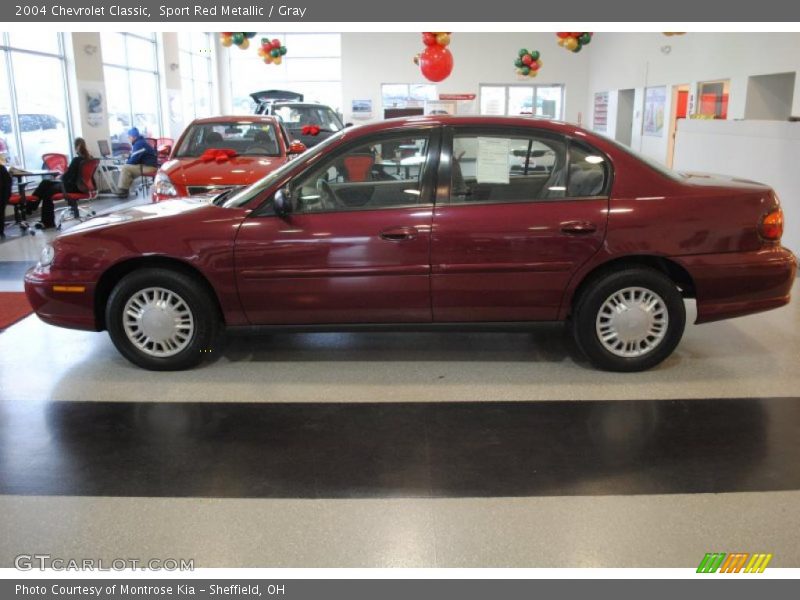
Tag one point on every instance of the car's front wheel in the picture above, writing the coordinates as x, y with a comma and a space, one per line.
629, 320
161, 319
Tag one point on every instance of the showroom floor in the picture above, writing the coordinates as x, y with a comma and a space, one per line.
400, 449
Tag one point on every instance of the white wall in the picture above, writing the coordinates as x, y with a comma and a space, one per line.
635, 60
770, 96
371, 59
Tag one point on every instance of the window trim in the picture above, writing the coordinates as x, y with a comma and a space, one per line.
428, 180
445, 183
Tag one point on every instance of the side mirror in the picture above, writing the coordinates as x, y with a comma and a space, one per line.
297, 147
282, 203
348, 124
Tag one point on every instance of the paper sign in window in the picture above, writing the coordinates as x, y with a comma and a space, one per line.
493, 160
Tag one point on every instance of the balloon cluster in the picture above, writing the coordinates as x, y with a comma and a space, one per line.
671, 33
574, 41
239, 38
271, 51
436, 61
528, 63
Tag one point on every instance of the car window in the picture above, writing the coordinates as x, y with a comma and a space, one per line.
386, 173
588, 172
300, 115
249, 139
501, 167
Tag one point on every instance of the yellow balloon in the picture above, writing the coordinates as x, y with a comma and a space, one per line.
539, 62
261, 52
443, 39
245, 44
226, 41
268, 58
277, 60
533, 73
570, 43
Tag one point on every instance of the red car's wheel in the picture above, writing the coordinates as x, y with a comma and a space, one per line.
162, 320
629, 320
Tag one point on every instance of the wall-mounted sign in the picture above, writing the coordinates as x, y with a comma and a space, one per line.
655, 101
600, 112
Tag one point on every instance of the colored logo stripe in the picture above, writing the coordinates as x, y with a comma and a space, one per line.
734, 562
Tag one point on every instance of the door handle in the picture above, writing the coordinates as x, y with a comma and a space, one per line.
399, 234
578, 227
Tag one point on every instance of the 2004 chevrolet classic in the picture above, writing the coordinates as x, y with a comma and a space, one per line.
429, 222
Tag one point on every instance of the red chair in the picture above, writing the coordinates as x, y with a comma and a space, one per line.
358, 167
88, 170
55, 162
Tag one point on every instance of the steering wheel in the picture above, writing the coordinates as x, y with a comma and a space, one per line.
325, 189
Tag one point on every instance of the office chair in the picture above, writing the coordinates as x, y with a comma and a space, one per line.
88, 169
55, 162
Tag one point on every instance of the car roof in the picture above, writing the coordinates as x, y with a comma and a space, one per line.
483, 120
237, 119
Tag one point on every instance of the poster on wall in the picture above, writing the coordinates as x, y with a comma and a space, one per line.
600, 113
655, 101
94, 104
465, 104
361, 109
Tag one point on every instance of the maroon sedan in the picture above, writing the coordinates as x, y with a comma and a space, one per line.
429, 222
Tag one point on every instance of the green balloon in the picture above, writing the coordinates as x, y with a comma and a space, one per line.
578, 47
523, 52
264, 41
525, 70
535, 55
518, 63
275, 52
585, 39
283, 50
237, 38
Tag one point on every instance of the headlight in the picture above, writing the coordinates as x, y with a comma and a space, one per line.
163, 185
47, 256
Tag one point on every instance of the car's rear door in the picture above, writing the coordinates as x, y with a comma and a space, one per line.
524, 209
356, 246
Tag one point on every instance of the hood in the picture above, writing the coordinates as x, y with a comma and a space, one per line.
159, 210
239, 170
728, 181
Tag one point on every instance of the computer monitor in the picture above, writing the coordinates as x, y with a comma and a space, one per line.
105, 149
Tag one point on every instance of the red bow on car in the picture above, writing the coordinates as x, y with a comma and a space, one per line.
310, 130
219, 155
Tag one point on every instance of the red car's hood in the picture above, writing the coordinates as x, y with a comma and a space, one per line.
239, 170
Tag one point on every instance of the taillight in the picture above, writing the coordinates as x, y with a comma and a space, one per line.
771, 225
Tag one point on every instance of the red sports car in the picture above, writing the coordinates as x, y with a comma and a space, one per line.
429, 222
219, 153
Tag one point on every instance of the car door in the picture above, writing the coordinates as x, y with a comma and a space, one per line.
355, 246
525, 208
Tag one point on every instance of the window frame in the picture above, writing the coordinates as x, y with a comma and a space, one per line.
444, 174
535, 87
428, 181
190, 56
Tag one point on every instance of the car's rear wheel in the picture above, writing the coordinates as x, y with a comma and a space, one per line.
629, 320
162, 320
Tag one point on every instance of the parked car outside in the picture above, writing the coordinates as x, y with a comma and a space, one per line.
219, 153
429, 223
41, 133
308, 122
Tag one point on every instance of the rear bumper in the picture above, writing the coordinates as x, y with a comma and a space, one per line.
742, 283
63, 298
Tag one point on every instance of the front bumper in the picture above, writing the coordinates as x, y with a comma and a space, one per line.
63, 298
735, 284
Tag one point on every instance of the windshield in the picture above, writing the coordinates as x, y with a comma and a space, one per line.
245, 195
245, 138
300, 115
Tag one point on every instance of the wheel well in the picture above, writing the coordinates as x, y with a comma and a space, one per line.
112, 276
679, 275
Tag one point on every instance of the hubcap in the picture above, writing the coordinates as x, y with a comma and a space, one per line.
158, 322
632, 322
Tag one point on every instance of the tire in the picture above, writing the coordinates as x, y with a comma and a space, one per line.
638, 311
176, 319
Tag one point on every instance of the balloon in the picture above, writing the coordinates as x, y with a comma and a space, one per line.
428, 38
518, 63
237, 38
275, 52
276, 43
563, 34
261, 52
436, 63
527, 59
443, 39
584, 38
277, 60
534, 66
523, 52
245, 44
570, 43
525, 70
226, 41
535, 55
283, 50
250, 35
533, 73
577, 48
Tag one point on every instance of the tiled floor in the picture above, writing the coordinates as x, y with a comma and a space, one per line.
44, 371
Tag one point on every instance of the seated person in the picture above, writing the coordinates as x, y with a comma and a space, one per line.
69, 182
143, 160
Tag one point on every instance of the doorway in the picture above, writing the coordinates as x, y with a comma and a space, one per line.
680, 108
624, 129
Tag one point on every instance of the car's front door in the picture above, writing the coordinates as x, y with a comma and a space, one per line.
524, 210
355, 247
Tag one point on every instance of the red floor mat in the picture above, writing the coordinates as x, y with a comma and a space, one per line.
13, 307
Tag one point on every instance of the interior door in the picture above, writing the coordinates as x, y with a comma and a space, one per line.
355, 247
523, 212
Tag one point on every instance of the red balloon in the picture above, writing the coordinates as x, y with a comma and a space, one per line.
527, 59
563, 34
276, 43
436, 63
428, 38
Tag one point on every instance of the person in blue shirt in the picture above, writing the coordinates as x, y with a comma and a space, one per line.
143, 160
